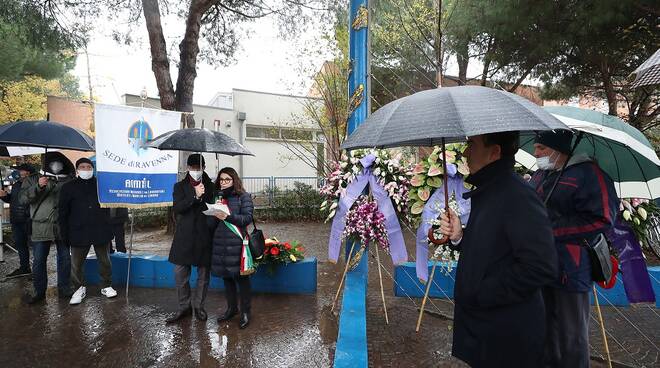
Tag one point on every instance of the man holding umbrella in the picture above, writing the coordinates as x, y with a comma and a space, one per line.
583, 204
19, 217
191, 245
42, 193
507, 257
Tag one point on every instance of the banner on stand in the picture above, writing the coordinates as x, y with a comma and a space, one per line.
128, 174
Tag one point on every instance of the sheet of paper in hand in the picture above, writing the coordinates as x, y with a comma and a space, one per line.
214, 209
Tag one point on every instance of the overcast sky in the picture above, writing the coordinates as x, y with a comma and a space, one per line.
264, 63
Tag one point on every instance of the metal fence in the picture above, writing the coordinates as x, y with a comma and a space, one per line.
265, 189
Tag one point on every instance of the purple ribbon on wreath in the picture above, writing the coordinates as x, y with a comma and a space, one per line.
352, 193
431, 211
635, 275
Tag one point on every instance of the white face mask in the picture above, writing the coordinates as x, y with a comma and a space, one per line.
56, 167
196, 175
546, 163
85, 174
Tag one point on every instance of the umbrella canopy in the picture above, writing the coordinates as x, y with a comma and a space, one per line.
45, 134
14, 151
620, 150
198, 140
453, 113
648, 73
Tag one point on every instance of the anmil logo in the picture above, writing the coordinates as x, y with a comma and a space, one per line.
138, 133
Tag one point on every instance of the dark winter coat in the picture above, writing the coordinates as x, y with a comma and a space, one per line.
507, 256
118, 216
583, 204
227, 246
191, 245
19, 212
81, 219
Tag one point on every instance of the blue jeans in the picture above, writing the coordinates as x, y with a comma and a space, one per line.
40, 271
20, 235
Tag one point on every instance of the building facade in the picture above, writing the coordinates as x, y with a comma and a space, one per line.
274, 127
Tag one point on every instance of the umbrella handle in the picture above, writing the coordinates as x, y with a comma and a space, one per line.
436, 241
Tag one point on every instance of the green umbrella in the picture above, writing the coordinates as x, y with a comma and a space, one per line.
621, 150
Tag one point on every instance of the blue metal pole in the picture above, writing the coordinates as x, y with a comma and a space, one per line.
351, 345
358, 86
359, 64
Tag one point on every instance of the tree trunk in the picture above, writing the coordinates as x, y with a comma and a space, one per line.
438, 46
159, 61
609, 88
462, 58
487, 60
182, 98
188, 51
520, 80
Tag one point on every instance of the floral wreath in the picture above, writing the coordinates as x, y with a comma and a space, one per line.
390, 171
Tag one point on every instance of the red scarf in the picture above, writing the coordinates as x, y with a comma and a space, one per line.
194, 182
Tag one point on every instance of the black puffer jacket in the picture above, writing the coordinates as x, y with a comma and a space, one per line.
226, 259
19, 212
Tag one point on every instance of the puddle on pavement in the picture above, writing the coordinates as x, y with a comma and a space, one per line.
218, 344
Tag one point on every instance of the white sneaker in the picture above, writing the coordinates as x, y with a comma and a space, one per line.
109, 292
78, 296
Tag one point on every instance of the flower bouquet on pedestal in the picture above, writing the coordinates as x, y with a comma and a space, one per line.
390, 172
638, 213
277, 253
365, 224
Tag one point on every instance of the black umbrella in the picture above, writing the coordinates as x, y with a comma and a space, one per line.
198, 140
453, 113
46, 134
648, 73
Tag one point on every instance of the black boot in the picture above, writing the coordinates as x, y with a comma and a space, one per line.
179, 315
229, 314
245, 321
200, 314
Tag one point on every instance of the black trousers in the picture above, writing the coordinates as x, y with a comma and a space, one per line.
567, 328
243, 283
120, 235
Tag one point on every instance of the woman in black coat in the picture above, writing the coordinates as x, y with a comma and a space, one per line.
227, 246
191, 245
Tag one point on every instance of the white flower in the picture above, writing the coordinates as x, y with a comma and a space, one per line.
343, 165
626, 215
377, 171
354, 160
642, 213
356, 169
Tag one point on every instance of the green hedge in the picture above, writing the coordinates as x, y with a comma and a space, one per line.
300, 204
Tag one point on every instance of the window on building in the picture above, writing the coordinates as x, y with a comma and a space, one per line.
252, 131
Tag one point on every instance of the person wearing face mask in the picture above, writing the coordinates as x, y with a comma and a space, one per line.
229, 232
83, 224
191, 245
19, 216
42, 193
583, 204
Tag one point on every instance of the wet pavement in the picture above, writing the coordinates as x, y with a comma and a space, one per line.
285, 330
